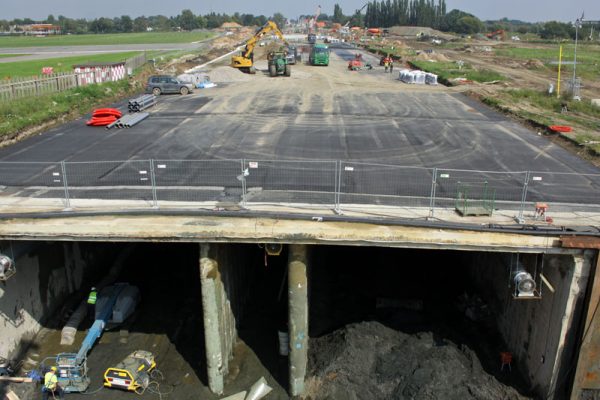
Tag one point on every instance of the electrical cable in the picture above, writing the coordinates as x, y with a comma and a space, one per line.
154, 386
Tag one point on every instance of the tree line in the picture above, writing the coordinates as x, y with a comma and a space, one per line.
378, 14
187, 20
388, 13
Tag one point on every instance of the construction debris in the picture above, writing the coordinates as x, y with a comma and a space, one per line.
15, 379
371, 361
237, 396
128, 120
10, 395
141, 103
259, 390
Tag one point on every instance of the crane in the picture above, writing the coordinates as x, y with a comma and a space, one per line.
313, 20
359, 10
245, 60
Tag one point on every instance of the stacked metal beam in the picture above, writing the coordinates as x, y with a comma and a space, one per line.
141, 103
129, 120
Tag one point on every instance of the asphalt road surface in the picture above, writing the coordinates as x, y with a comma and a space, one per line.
292, 131
42, 53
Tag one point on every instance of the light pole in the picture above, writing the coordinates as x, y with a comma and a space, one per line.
577, 26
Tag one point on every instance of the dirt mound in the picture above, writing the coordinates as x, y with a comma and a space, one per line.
534, 64
413, 31
230, 25
432, 56
228, 74
371, 361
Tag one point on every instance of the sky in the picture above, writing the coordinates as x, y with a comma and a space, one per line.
525, 10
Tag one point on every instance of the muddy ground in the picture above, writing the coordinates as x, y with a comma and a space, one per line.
371, 361
168, 324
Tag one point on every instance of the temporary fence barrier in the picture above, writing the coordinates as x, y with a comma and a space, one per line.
335, 185
193, 181
16, 88
381, 184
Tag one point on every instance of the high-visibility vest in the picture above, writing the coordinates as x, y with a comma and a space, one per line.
92, 297
50, 380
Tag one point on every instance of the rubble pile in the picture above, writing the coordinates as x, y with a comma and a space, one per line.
371, 361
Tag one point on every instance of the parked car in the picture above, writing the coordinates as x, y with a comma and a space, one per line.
159, 84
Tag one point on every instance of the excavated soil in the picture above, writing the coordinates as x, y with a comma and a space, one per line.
371, 361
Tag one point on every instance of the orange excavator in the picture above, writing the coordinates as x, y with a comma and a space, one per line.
500, 34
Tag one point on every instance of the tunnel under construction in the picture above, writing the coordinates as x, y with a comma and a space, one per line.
317, 319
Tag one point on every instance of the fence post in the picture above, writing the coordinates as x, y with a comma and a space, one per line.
242, 178
153, 181
432, 195
338, 187
520, 219
66, 186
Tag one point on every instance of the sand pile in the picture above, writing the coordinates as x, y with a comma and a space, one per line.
534, 64
227, 74
371, 361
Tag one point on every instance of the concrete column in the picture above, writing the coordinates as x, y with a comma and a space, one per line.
209, 272
298, 317
577, 282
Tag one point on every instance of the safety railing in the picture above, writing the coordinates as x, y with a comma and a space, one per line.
339, 186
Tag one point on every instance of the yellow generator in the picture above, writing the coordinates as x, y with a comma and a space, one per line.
133, 373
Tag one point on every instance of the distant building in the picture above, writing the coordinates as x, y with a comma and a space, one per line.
41, 29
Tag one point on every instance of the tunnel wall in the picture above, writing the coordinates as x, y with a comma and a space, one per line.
225, 273
537, 331
47, 273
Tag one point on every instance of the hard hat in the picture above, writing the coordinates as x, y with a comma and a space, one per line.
53, 368
93, 288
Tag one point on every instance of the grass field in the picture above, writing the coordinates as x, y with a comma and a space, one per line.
588, 57
34, 67
449, 70
103, 39
12, 55
20, 114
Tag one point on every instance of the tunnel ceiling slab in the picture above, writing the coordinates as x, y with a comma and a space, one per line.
260, 230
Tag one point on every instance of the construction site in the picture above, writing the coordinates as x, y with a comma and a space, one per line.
312, 220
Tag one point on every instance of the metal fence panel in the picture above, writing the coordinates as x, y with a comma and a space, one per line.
37, 180
110, 180
563, 191
311, 182
198, 180
391, 185
504, 188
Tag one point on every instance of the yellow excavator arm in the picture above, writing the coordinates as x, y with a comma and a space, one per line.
245, 60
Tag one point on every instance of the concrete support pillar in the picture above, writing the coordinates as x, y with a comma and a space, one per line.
209, 278
298, 317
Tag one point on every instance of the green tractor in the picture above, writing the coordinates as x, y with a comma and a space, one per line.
278, 64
